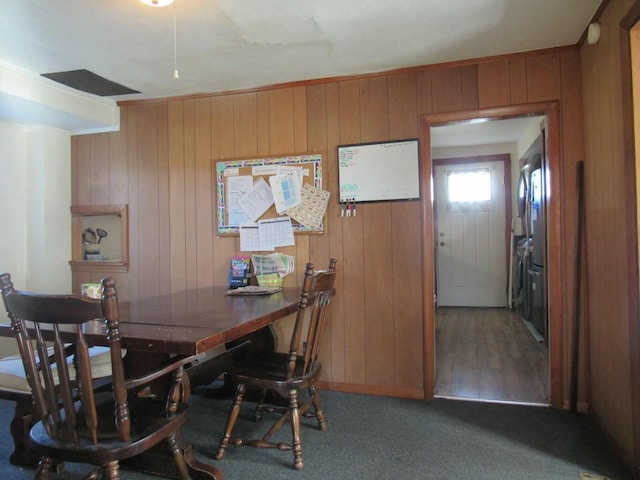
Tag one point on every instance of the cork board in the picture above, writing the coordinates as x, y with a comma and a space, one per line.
311, 165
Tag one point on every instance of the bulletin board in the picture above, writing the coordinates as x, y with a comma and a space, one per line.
312, 166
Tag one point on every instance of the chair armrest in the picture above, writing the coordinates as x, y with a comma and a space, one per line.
173, 364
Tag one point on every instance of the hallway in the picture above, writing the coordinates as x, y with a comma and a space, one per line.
489, 354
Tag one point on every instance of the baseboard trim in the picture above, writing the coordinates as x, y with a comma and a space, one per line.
581, 407
372, 390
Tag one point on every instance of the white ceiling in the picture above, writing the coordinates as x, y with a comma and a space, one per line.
492, 132
227, 45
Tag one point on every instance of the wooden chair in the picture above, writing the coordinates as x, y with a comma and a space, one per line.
286, 373
77, 423
14, 387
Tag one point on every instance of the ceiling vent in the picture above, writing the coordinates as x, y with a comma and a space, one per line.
89, 82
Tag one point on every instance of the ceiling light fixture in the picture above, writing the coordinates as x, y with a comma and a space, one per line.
157, 3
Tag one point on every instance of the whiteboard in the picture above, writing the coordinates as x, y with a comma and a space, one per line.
373, 172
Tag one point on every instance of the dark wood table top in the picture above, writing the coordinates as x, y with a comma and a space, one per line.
191, 322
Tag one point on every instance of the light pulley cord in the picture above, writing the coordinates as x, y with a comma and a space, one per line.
175, 45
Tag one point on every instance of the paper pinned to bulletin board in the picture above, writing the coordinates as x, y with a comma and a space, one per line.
312, 207
242, 186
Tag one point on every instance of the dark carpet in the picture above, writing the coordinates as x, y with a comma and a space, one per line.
372, 437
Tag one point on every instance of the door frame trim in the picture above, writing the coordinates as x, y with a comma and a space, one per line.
555, 274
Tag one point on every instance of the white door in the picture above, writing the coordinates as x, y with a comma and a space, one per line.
470, 235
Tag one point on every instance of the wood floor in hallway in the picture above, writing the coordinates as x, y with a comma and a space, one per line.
489, 354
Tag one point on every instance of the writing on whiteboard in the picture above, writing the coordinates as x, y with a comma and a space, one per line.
379, 171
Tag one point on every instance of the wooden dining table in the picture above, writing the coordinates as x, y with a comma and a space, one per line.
187, 323
194, 321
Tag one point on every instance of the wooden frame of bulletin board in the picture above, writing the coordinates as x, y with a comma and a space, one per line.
259, 167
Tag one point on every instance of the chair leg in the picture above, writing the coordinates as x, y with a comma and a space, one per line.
233, 416
44, 467
315, 398
111, 471
94, 474
260, 405
294, 412
178, 457
21, 424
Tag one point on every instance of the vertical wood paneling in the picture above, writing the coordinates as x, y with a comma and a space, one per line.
300, 119
446, 90
99, 161
493, 84
349, 111
403, 106
607, 212
339, 321
470, 94
406, 243
572, 153
281, 121
374, 105
379, 332
319, 245
76, 145
190, 194
204, 193
223, 127
222, 146
161, 163
262, 103
148, 192
118, 178
134, 204
245, 125
302, 249
518, 80
164, 226
319, 252
118, 192
374, 108
602, 226
352, 241
543, 78
177, 207
424, 93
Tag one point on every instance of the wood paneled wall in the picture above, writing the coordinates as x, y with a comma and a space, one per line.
160, 163
612, 291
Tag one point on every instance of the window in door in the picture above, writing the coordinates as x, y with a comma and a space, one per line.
468, 190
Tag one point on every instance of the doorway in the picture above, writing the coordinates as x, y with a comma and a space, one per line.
484, 351
550, 112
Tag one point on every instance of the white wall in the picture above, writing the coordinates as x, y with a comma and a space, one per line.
35, 191
35, 195
49, 217
13, 201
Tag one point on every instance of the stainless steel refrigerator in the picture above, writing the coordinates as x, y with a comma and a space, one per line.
538, 244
